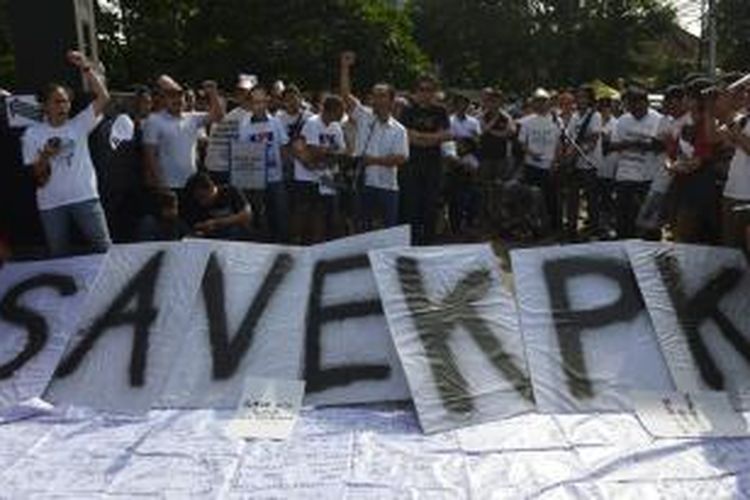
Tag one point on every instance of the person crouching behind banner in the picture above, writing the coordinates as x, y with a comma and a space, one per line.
58, 151
213, 211
166, 224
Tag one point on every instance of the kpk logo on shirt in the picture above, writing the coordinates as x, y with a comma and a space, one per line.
328, 140
259, 137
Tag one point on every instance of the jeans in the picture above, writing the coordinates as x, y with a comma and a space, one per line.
545, 180
87, 216
374, 200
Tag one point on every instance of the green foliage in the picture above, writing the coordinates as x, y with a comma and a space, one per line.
516, 44
295, 40
733, 26
545, 42
7, 61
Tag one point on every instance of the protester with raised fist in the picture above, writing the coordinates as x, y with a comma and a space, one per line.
57, 150
381, 149
171, 136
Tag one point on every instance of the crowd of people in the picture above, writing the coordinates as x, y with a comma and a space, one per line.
275, 164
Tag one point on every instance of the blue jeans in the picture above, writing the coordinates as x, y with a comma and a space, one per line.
87, 216
374, 200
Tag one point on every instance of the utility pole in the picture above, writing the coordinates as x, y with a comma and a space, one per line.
712, 38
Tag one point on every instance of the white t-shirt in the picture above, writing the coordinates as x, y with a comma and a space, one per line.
270, 135
175, 139
593, 128
541, 136
72, 178
222, 134
331, 137
738, 180
636, 165
301, 172
291, 122
468, 128
607, 163
377, 139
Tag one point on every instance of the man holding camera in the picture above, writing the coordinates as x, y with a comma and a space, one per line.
58, 151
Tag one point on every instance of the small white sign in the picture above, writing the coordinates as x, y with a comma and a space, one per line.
248, 164
268, 410
22, 111
685, 415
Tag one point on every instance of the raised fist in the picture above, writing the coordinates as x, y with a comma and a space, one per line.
348, 58
77, 59
210, 87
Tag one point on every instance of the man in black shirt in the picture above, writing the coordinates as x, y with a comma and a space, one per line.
214, 211
428, 127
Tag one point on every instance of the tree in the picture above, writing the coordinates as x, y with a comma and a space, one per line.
295, 40
7, 61
733, 26
541, 42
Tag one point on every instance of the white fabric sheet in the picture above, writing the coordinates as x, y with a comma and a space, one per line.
58, 307
456, 329
360, 453
608, 348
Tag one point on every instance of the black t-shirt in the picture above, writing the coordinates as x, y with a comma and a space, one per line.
229, 200
430, 119
120, 169
493, 147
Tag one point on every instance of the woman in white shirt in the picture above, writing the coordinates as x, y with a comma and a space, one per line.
57, 151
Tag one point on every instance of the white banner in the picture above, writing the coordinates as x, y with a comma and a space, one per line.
130, 328
699, 301
246, 320
588, 335
456, 330
39, 305
349, 353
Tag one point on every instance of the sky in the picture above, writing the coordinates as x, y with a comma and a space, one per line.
688, 14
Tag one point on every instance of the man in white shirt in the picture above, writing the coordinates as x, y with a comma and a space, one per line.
539, 137
321, 149
293, 115
381, 148
58, 152
736, 201
171, 136
585, 128
268, 143
636, 139
464, 195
